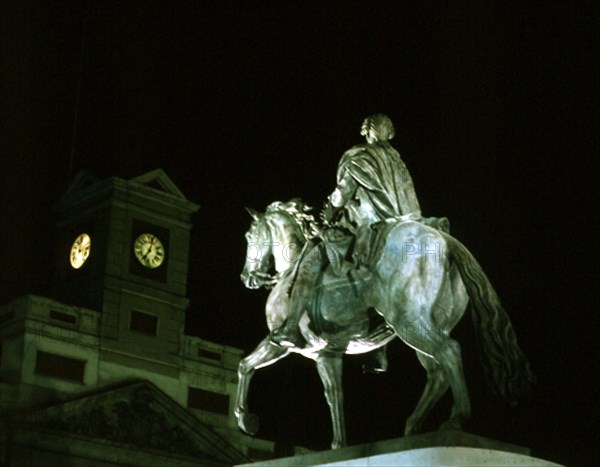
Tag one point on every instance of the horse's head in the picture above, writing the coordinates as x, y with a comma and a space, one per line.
259, 258
274, 241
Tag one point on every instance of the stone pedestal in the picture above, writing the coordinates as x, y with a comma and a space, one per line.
442, 448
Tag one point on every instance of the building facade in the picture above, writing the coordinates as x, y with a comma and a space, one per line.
104, 366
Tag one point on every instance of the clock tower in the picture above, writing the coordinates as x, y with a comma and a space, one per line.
122, 249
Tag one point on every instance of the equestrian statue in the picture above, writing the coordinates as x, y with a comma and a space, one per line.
372, 270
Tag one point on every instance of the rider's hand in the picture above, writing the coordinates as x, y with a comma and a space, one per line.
328, 213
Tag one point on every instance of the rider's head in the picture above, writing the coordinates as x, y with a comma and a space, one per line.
377, 127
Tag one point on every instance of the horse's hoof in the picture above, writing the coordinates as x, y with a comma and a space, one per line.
452, 424
248, 423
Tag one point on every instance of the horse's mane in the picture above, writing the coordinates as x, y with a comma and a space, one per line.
300, 212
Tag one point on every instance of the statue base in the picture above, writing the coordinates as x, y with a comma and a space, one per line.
441, 448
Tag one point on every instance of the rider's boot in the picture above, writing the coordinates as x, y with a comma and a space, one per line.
377, 362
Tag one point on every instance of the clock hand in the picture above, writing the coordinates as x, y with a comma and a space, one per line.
148, 252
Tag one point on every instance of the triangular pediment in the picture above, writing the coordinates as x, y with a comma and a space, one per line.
138, 415
154, 185
158, 180
82, 180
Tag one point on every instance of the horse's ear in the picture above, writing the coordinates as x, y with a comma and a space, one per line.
255, 214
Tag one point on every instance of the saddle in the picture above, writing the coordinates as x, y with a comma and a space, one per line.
349, 256
346, 251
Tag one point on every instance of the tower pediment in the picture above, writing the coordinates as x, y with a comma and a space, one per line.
155, 185
159, 180
82, 180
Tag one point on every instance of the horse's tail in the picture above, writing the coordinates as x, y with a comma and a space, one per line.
505, 365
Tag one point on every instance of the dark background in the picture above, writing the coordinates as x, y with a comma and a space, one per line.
243, 103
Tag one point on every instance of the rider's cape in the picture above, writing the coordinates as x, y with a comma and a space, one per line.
379, 169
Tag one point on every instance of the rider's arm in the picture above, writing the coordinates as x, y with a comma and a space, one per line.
344, 191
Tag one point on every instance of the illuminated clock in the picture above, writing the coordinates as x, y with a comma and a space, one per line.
149, 250
80, 251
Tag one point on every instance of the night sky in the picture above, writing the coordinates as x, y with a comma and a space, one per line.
242, 103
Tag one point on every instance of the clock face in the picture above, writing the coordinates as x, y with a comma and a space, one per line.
80, 251
149, 250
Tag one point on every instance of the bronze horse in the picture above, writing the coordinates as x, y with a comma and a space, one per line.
421, 282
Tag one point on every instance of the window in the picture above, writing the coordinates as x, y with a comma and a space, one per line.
208, 400
57, 366
64, 317
208, 354
144, 323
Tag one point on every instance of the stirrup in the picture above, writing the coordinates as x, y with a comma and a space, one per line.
287, 339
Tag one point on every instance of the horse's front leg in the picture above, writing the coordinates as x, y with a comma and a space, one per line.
330, 371
264, 355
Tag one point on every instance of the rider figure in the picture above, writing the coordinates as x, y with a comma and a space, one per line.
373, 185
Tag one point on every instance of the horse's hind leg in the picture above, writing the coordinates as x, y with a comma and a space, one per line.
446, 353
450, 358
265, 354
437, 385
